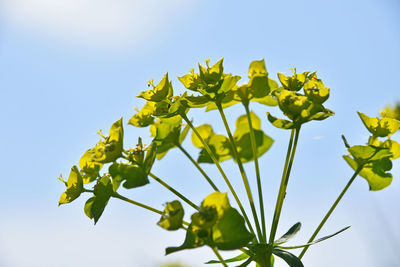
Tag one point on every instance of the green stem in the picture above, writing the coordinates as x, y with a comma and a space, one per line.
241, 169
116, 195
173, 191
331, 210
219, 256
212, 156
284, 183
198, 167
257, 168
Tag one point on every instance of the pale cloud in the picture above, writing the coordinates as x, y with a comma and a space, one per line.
91, 22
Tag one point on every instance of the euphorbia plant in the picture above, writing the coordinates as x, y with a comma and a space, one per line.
215, 222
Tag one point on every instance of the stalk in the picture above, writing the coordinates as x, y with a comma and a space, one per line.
242, 172
257, 168
284, 183
221, 171
174, 191
198, 167
219, 257
331, 210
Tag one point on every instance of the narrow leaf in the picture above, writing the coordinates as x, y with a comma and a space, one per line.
289, 234
290, 259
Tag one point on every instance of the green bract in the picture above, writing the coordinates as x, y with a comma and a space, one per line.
95, 205
380, 127
74, 187
172, 216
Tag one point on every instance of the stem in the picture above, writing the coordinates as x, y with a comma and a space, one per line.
257, 168
331, 210
284, 183
198, 167
212, 156
241, 169
219, 256
116, 195
173, 191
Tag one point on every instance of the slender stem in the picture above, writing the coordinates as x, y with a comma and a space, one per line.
257, 168
331, 210
212, 156
284, 183
198, 167
241, 169
116, 195
219, 256
173, 191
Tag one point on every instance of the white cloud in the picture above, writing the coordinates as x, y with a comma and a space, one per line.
91, 22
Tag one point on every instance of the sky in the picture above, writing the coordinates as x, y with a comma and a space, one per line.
70, 68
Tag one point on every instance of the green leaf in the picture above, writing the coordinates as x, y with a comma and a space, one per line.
220, 146
394, 148
280, 123
380, 127
172, 216
242, 124
183, 134
257, 67
316, 91
289, 234
89, 168
159, 92
191, 241
150, 158
240, 257
293, 83
229, 83
315, 241
290, 259
365, 154
227, 101
167, 132
230, 231
95, 206
192, 101
111, 147
191, 81
133, 175
212, 75
205, 131
375, 173
74, 187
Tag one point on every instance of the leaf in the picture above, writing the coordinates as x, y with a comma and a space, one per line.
220, 146
280, 123
293, 83
213, 74
183, 134
242, 124
394, 148
315, 241
228, 83
245, 150
230, 231
240, 257
375, 173
74, 187
217, 200
192, 101
191, 81
111, 147
167, 132
289, 234
95, 206
172, 216
190, 241
89, 168
365, 154
150, 158
316, 91
227, 101
159, 92
133, 175
257, 67
205, 131
380, 127
290, 259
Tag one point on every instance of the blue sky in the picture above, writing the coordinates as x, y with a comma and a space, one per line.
70, 68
